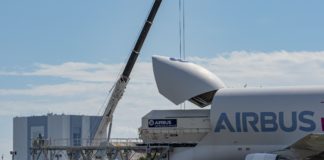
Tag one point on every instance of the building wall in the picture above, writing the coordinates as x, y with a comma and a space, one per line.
85, 131
58, 129
75, 130
20, 137
94, 124
65, 130
36, 126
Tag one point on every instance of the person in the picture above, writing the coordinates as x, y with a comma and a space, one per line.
41, 140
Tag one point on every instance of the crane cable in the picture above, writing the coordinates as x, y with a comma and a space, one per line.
182, 36
183, 29
180, 29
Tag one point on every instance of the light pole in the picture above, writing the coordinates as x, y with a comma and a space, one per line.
13, 153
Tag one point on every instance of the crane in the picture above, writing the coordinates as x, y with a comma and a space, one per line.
123, 80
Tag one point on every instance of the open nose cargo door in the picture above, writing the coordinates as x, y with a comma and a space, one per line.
179, 80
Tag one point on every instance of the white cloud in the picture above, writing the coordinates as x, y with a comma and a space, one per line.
267, 69
65, 89
89, 83
44, 105
79, 71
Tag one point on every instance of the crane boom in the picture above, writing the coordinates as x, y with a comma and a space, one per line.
121, 83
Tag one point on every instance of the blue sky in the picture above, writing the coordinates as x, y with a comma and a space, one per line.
43, 43
57, 31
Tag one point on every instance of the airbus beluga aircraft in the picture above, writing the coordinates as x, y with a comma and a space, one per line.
245, 123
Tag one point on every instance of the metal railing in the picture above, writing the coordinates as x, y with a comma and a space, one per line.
85, 141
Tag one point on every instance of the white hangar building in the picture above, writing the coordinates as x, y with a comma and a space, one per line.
63, 130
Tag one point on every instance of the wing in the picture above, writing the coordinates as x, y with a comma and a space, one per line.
311, 147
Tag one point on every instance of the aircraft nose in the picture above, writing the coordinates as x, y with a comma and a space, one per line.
156, 59
179, 80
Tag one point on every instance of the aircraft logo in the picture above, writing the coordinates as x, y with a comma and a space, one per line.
267, 122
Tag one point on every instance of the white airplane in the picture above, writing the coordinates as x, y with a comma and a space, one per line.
246, 123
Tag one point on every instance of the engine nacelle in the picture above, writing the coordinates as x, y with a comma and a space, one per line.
262, 156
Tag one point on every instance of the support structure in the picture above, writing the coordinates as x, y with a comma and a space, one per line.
99, 148
121, 83
124, 149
